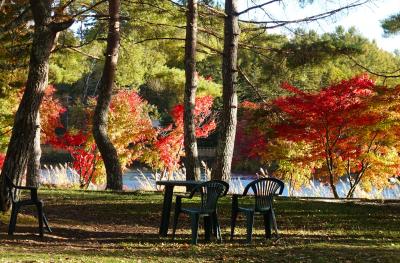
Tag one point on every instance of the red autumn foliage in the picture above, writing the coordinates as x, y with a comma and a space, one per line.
170, 139
2, 157
329, 116
253, 134
84, 154
339, 123
250, 136
129, 128
50, 111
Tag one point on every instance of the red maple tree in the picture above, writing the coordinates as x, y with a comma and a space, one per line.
84, 154
251, 135
340, 124
50, 112
170, 140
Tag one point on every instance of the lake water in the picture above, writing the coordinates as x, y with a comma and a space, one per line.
62, 175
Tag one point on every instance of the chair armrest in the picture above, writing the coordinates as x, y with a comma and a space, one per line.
34, 195
194, 190
179, 198
32, 188
178, 202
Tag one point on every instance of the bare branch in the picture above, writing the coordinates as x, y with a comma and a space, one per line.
63, 46
379, 74
6, 132
209, 47
177, 5
178, 39
258, 6
89, 8
217, 12
251, 84
154, 6
83, 53
158, 38
279, 23
158, 24
250, 46
60, 26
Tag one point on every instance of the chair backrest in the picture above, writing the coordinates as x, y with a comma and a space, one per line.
11, 188
210, 191
264, 190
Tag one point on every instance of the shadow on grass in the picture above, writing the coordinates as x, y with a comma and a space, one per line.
129, 245
113, 225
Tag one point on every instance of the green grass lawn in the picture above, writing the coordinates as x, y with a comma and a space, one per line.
123, 227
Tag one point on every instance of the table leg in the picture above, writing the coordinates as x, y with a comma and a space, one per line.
169, 190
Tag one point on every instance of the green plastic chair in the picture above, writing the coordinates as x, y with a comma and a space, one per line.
209, 192
17, 204
264, 190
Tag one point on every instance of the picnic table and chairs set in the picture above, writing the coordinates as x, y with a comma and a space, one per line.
263, 190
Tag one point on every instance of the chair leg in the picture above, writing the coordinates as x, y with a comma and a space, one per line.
207, 227
267, 224
274, 222
46, 223
216, 227
178, 206
176, 216
233, 222
249, 224
39, 206
195, 227
13, 219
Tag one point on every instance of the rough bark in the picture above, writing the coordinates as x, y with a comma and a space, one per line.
333, 187
24, 127
107, 150
192, 163
228, 121
331, 171
33, 169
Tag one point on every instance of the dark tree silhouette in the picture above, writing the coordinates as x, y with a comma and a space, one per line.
191, 154
24, 129
106, 148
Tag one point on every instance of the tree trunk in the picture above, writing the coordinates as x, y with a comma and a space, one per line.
331, 178
33, 169
333, 187
24, 130
107, 150
226, 140
357, 180
331, 170
192, 163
